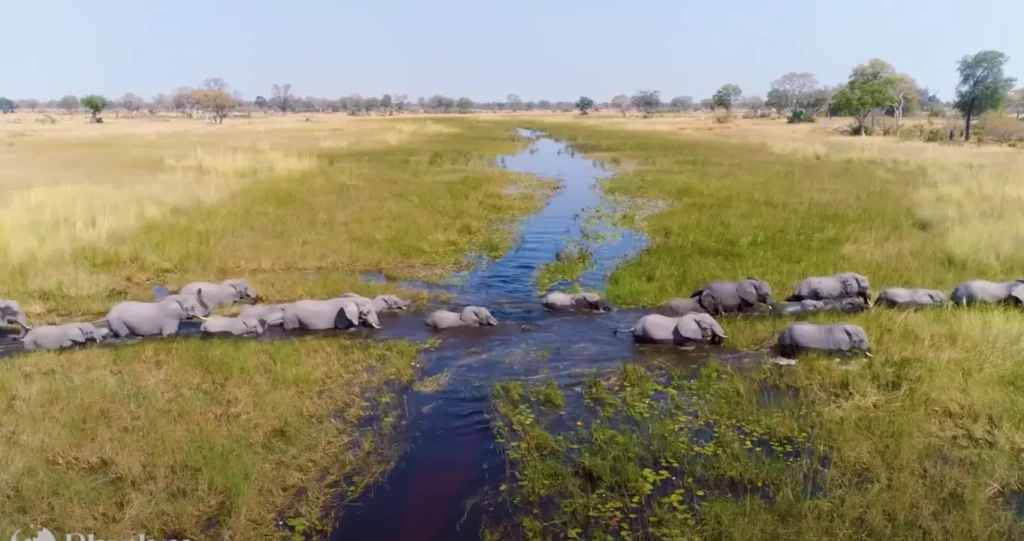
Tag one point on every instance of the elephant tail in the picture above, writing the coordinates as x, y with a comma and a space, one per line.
616, 331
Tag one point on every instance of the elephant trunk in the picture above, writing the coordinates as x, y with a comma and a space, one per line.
866, 296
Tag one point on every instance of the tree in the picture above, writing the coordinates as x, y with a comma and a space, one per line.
983, 85
260, 102
584, 104
727, 96
401, 100
30, 103
464, 104
647, 102
621, 102
7, 105
545, 104
131, 102
183, 101
754, 104
1017, 102
95, 104
903, 92
707, 104
68, 103
791, 92
387, 104
281, 97
439, 103
514, 102
215, 102
681, 103
859, 98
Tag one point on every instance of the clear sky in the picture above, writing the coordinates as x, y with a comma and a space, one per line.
538, 49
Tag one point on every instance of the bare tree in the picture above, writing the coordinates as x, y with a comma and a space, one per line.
903, 90
514, 102
400, 101
1016, 101
131, 102
31, 104
621, 102
183, 101
281, 97
214, 83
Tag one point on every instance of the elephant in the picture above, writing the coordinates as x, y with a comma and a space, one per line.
338, 313
720, 297
155, 318
270, 314
910, 297
237, 326
835, 338
577, 301
382, 303
837, 286
12, 314
223, 294
63, 336
682, 330
679, 306
471, 316
984, 291
847, 305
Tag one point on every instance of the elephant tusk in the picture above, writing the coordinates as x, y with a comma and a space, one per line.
202, 318
374, 325
868, 354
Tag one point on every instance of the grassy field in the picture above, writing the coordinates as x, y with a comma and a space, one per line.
924, 441
220, 439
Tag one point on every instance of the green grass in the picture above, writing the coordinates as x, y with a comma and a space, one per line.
925, 439
202, 439
570, 263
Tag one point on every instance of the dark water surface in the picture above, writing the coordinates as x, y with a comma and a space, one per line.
451, 456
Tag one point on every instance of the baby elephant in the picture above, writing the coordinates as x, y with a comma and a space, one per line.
679, 306
848, 305
686, 329
63, 336
844, 284
983, 291
223, 294
154, 318
269, 314
837, 338
902, 297
471, 316
721, 297
381, 303
557, 300
12, 314
238, 326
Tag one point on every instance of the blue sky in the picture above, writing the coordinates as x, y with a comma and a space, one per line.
554, 49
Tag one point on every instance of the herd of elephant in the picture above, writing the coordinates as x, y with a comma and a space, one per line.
680, 321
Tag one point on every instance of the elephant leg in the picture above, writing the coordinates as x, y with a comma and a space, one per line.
290, 321
169, 328
119, 328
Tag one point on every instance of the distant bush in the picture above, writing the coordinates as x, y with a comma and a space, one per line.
1000, 128
723, 118
47, 118
799, 116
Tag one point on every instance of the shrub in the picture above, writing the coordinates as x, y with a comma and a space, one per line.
1000, 128
723, 118
798, 116
47, 118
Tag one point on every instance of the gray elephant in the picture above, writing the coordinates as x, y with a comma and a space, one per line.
835, 338
154, 318
12, 314
680, 306
317, 315
896, 297
381, 303
837, 286
723, 297
984, 291
557, 300
237, 326
847, 305
63, 336
223, 294
682, 330
471, 316
270, 314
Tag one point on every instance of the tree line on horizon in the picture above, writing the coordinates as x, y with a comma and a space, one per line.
872, 88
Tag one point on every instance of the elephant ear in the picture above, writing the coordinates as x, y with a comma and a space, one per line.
1017, 294
470, 316
688, 329
77, 335
350, 312
747, 290
845, 339
710, 327
709, 301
